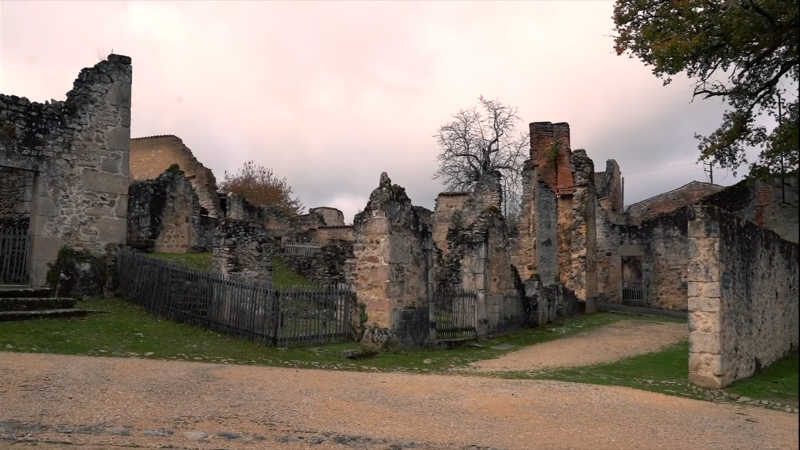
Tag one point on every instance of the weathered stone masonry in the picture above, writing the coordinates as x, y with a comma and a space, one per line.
743, 297
151, 156
79, 153
389, 268
557, 237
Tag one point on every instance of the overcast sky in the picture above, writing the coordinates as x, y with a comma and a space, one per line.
331, 94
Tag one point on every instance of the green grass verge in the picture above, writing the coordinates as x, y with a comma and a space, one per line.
127, 329
667, 372
199, 261
778, 382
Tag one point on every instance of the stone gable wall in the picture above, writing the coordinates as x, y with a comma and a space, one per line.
683, 196
151, 156
743, 297
79, 149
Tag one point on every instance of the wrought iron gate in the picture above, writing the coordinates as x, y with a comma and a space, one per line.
632, 285
14, 249
455, 314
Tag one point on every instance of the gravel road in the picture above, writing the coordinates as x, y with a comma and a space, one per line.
609, 343
54, 401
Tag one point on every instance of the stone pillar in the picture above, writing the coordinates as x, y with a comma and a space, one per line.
391, 271
481, 284
430, 287
705, 330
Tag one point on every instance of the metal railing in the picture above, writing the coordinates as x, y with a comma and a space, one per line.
301, 248
237, 308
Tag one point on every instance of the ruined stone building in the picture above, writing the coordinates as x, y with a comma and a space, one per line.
151, 156
643, 255
557, 230
64, 165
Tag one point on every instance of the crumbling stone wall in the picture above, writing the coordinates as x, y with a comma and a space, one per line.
326, 267
389, 263
479, 258
327, 234
609, 186
275, 220
743, 297
681, 197
79, 150
16, 189
769, 204
662, 243
242, 250
557, 237
164, 216
331, 217
151, 156
447, 204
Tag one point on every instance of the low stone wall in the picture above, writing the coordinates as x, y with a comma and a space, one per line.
324, 235
743, 297
326, 267
164, 216
242, 250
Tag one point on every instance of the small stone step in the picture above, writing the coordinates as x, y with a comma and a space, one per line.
36, 304
6, 316
24, 292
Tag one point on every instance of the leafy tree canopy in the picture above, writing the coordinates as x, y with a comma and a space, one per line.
262, 187
742, 51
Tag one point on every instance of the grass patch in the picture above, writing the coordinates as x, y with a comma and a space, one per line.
199, 261
778, 382
667, 372
127, 329
283, 276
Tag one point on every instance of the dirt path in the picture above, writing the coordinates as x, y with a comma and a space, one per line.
55, 401
609, 343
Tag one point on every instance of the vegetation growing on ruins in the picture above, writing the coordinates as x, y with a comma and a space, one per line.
481, 140
743, 52
260, 186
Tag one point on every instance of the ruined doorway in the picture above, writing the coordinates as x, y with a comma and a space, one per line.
16, 192
632, 285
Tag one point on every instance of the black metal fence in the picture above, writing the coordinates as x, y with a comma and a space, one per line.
455, 313
14, 249
238, 308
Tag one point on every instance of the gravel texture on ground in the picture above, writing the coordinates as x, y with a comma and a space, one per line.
55, 401
609, 343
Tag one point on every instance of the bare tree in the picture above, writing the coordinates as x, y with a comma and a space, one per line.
482, 139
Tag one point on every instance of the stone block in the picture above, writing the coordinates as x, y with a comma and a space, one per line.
376, 226
706, 322
119, 138
45, 207
705, 342
703, 271
707, 304
125, 117
110, 164
45, 248
120, 94
705, 380
112, 230
104, 182
122, 207
703, 289
704, 249
705, 222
